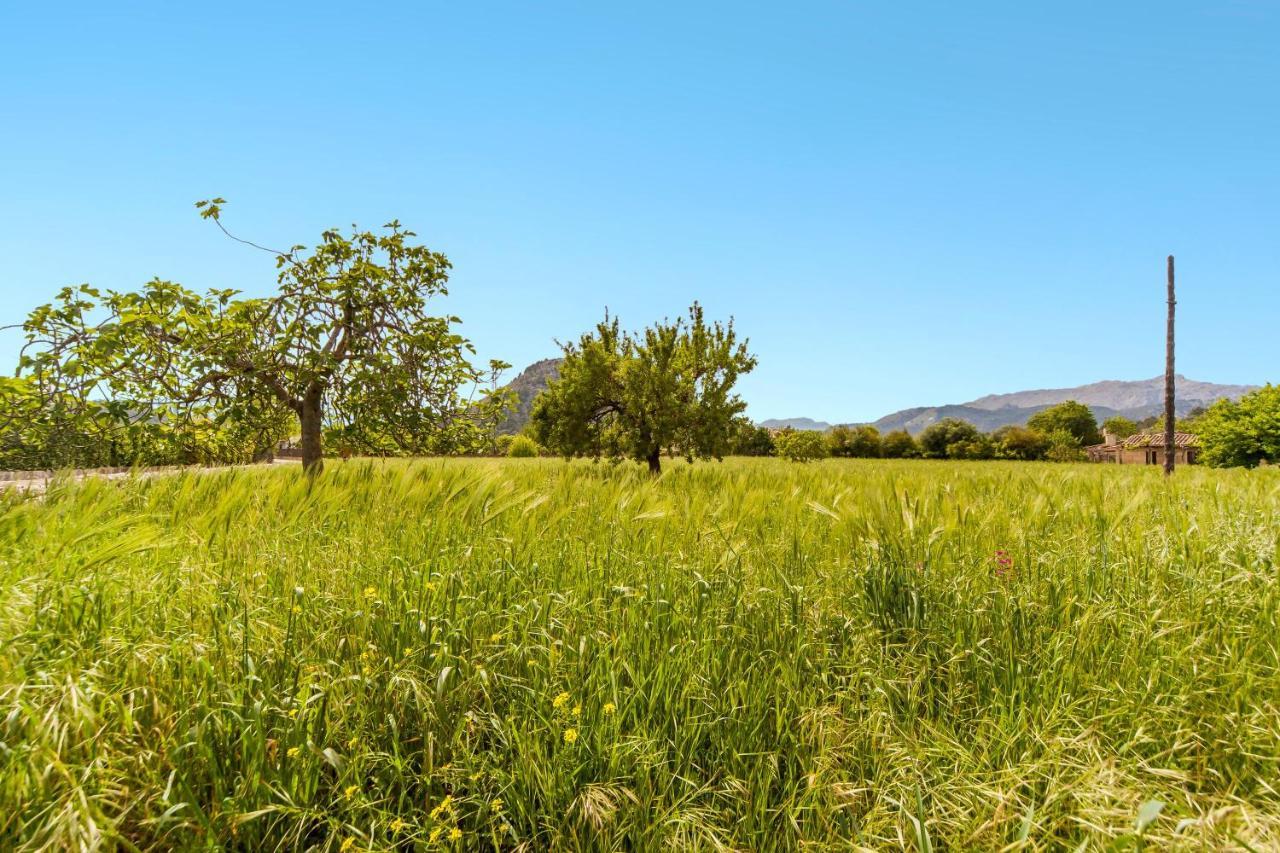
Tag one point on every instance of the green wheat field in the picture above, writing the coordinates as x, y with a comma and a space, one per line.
751, 655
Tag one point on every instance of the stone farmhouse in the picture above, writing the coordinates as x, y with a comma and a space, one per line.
1145, 448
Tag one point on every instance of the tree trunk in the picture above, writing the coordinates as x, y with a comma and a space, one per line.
655, 461
1168, 382
310, 416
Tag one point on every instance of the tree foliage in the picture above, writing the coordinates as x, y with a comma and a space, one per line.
1120, 426
1069, 416
801, 445
859, 442
1244, 432
899, 444
668, 389
747, 439
1018, 442
937, 438
346, 342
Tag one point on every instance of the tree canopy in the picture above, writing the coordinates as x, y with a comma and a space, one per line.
668, 389
1120, 426
1244, 432
1071, 417
345, 341
937, 438
801, 445
858, 442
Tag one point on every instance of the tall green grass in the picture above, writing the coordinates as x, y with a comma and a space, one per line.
750, 655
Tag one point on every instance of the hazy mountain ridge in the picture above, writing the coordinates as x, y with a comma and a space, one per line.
1133, 399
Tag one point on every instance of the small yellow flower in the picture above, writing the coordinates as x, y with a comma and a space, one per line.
350, 791
435, 834
577, 710
455, 834
397, 825
297, 608
409, 652
293, 713
292, 752
570, 735
370, 593
354, 742
609, 708
496, 805
560, 701
531, 663
347, 844
494, 638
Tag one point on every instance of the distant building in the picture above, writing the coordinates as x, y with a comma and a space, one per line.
1145, 448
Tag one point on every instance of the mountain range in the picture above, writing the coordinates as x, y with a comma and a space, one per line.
1135, 400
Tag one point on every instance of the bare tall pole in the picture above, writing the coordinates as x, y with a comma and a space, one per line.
1168, 381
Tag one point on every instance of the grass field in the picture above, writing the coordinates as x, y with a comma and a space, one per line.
750, 655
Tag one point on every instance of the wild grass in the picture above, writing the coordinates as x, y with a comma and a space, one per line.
752, 655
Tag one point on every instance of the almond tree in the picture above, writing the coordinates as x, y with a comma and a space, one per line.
668, 389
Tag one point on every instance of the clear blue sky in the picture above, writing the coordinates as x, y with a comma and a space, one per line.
901, 204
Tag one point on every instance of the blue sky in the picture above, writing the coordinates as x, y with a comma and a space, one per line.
901, 204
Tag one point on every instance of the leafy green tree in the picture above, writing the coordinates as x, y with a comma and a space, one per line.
860, 442
1120, 426
801, 445
668, 389
1017, 442
1069, 416
749, 440
938, 437
899, 445
346, 341
1244, 432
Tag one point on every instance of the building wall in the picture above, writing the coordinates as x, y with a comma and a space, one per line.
1154, 456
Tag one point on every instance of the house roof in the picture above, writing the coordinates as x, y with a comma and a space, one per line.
1156, 439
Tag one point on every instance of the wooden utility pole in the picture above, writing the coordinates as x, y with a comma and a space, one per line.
1168, 381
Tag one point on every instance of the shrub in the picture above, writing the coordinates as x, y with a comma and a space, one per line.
523, 447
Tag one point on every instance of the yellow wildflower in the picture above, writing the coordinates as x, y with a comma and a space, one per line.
370, 593
347, 844
609, 708
293, 713
455, 834
292, 752
560, 701
570, 735
354, 742
350, 791
496, 805
435, 834
297, 608
397, 825
577, 710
